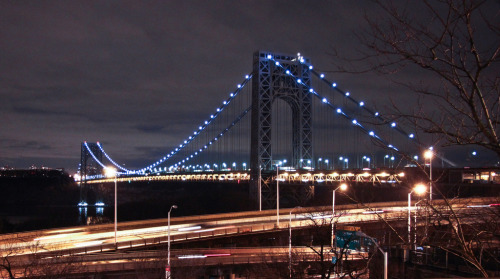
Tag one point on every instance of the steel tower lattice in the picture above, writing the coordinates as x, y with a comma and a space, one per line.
270, 82
88, 166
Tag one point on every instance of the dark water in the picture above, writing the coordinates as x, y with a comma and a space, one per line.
136, 201
151, 200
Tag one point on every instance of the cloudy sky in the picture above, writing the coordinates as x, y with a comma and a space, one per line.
139, 75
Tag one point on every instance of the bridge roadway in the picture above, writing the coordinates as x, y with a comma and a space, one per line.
136, 234
139, 260
125, 262
293, 177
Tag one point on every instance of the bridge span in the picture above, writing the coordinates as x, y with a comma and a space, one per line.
296, 177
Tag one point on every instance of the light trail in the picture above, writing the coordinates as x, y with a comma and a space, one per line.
142, 233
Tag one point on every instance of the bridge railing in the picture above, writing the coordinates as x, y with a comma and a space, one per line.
362, 176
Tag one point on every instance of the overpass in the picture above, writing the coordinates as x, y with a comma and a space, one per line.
150, 233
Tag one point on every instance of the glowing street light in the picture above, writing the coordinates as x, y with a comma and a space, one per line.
419, 189
342, 187
110, 172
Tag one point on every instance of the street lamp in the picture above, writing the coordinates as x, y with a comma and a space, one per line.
415, 226
278, 194
386, 260
111, 172
342, 187
428, 155
326, 162
167, 274
419, 189
290, 242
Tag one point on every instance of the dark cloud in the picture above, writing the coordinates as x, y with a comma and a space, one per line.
150, 128
139, 76
30, 145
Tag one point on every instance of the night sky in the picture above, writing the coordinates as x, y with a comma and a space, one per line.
138, 76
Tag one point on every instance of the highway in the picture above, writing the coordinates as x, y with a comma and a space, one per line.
125, 262
100, 238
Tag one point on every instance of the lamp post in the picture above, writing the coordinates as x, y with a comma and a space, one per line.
167, 274
290, 241
386, 262
277, 194
326, 162
415, 226
419, 189
428, 155
111, 172
342, 187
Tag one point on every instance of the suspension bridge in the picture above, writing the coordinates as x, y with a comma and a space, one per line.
284, 122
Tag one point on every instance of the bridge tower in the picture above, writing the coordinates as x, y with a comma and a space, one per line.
270, 82
89, 166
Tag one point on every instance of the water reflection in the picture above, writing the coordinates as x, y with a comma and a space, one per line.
82, 216
99, 210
